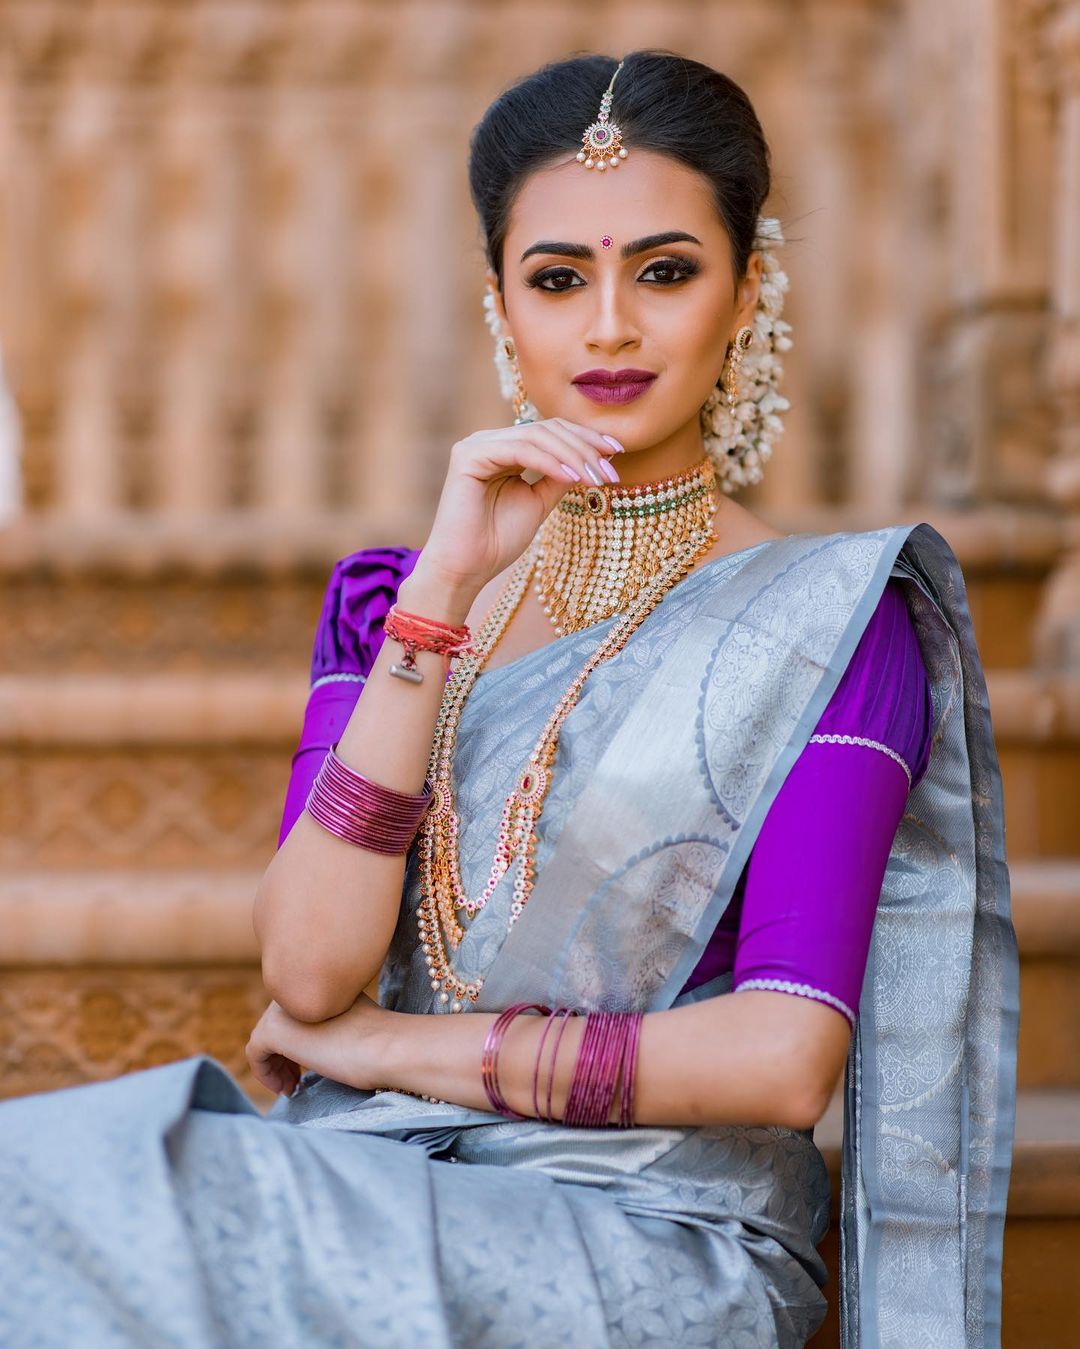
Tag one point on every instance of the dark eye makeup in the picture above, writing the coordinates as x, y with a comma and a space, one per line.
685, 266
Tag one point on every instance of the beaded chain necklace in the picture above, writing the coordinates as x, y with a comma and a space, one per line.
685, 507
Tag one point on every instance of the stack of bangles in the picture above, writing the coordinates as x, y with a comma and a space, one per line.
606, 1060
363, 812
352, 806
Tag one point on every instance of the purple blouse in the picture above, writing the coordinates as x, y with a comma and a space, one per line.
802, 912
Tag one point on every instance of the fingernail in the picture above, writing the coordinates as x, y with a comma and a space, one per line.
613, 442
609, 469
592, 474
570, 472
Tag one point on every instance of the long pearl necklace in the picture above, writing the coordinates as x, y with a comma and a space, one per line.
443, 895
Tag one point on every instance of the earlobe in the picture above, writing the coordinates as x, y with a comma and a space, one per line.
751, 286
492, 282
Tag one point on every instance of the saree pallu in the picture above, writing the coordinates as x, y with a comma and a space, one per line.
164, 1198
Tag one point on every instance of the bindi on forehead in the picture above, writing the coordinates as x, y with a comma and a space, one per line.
606, 241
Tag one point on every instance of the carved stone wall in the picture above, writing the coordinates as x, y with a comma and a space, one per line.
231, 293
60, 1026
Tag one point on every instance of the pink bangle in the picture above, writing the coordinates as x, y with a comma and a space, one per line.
563, 1013
608, 1048
580, 1100
626, 1103
490, 1055
352, 807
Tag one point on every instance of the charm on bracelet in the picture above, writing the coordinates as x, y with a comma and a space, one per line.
405, 671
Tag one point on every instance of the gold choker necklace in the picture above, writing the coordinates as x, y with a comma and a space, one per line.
601, 545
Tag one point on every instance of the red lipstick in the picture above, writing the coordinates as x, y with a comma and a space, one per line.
614, 386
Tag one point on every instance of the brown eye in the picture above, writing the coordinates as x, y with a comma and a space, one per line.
554, 274
682, 267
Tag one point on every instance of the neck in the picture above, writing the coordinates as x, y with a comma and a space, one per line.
664, 459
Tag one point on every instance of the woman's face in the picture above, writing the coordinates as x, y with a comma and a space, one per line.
574, 303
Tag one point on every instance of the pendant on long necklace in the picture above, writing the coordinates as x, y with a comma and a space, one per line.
442, 893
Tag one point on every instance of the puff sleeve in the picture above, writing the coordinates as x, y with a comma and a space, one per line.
805, 905
348, 635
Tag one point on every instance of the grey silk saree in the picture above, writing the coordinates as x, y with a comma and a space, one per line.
163, 1209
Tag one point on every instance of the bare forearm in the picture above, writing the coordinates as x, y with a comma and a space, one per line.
326, 910
727, 1060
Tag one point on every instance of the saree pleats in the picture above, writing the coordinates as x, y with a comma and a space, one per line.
161, 1209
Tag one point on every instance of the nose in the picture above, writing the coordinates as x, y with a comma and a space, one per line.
612, 325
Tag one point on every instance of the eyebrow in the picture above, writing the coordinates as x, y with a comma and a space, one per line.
627, 250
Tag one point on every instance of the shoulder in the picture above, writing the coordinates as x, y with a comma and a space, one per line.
359, 593
884, 694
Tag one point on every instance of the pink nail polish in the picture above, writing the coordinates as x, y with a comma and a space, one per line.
571, 473
608, 470
613, 442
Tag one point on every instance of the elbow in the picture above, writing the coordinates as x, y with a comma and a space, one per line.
815, 1096
297, 982
312, 967
307, 995
808, 1108
798, 1097
311, 984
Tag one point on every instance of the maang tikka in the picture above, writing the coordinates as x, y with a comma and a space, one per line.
602, 142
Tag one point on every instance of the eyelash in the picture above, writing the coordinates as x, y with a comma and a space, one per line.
685, 265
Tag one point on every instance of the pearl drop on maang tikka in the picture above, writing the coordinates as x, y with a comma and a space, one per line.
602, 145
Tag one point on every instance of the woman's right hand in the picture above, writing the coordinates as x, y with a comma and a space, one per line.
487, 514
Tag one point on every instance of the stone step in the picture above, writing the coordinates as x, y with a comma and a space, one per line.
1046, 915
75, 933
181, 769
165, 770
140, 594
243, 591
103, 972
1036, 720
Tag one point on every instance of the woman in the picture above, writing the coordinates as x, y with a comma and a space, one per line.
679, 754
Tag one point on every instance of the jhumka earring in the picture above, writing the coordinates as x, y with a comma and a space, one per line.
510, 382
522, 406
602, 145
729, 377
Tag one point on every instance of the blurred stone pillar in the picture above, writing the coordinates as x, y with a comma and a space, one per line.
299, 239
1057, 634
415, 312
88, 466
849, 417
794, 475
190, 276
988, 422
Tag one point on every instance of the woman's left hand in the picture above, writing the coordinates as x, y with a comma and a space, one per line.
349, 1048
